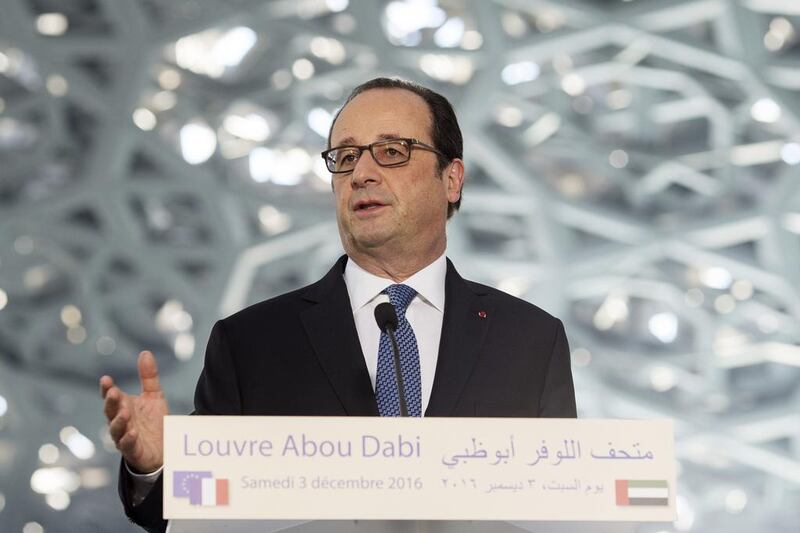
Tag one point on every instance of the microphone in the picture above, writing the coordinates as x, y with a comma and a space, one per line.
386, 318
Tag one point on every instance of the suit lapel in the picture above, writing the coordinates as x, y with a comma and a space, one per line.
467, 314
332, 333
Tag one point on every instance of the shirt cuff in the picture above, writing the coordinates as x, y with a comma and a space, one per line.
141, 484
152, 476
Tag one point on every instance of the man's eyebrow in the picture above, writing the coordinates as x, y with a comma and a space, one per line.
347, 141
350, 141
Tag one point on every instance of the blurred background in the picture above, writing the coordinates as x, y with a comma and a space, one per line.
633, 167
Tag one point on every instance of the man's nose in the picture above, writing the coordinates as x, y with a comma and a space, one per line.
366, 170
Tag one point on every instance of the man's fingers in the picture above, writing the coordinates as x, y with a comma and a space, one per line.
106, 382
118, 426
148, 372
129, 443
113, 403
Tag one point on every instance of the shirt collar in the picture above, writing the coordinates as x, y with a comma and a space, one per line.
363, 286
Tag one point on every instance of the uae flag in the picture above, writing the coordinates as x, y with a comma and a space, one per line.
642, 492
214, 491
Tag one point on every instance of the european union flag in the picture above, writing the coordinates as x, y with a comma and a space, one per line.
187, 484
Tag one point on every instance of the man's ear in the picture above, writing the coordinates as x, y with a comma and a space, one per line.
454, 174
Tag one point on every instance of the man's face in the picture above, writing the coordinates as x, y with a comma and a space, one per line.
391, 209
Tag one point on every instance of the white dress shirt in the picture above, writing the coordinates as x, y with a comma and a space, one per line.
424, 313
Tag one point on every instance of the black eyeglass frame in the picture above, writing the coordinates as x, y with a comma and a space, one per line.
411, 144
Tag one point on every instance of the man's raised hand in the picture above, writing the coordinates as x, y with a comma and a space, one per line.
136, 423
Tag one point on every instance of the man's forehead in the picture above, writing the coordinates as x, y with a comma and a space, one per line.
382, 113
378, 137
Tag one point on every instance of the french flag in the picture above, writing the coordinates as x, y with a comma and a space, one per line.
213, 491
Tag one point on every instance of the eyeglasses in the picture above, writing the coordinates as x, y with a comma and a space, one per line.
388, 153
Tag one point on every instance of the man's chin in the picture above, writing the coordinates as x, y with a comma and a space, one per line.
371, 242
370, 239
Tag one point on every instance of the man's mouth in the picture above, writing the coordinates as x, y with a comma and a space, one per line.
366, 206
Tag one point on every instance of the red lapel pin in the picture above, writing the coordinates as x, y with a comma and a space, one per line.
482, 314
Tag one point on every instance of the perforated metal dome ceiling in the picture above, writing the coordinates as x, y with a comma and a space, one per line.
632, 167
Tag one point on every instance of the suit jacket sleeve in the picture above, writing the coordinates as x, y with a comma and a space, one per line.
217, 393
558, 394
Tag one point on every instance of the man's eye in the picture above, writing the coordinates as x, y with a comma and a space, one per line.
347, 157
393, 151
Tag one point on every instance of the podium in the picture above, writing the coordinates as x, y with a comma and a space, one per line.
448, 475
394, 526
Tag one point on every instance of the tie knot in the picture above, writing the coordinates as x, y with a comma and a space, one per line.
400, 296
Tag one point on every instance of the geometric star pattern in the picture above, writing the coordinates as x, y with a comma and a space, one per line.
632, 167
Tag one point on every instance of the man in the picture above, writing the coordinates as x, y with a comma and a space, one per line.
468, 349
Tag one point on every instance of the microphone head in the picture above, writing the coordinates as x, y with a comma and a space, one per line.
386, 316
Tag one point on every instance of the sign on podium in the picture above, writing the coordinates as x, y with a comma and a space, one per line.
531, 474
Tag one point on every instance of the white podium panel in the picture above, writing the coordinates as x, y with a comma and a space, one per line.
430, 470
396, 526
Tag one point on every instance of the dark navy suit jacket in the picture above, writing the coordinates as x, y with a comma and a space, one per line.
299, 354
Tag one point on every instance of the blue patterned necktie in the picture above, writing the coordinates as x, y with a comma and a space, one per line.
386, 393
